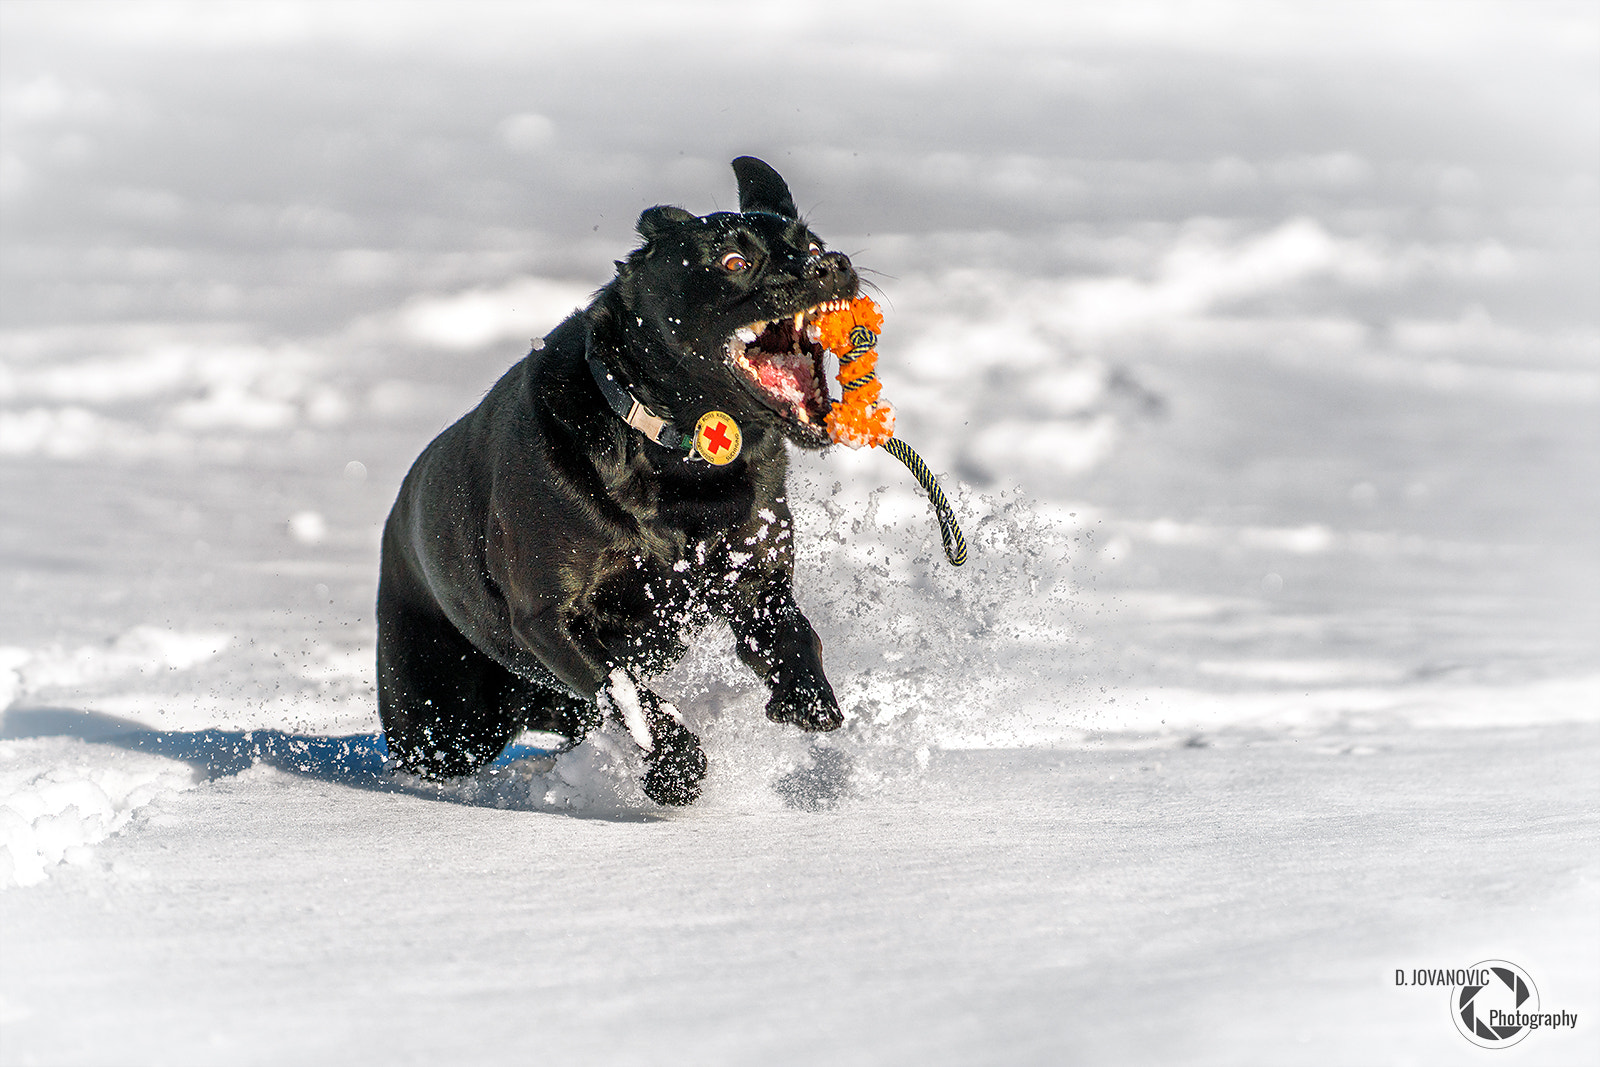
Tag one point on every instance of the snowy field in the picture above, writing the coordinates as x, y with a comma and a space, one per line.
1258, 346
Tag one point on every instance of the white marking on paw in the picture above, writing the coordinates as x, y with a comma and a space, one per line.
625, 696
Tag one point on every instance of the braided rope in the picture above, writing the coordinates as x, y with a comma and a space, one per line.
862, 341
955, 545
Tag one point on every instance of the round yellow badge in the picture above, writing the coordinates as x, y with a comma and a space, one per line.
717, 438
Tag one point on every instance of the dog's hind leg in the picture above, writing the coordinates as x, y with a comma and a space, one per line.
447, 709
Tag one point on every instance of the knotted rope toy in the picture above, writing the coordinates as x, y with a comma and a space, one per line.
860, 420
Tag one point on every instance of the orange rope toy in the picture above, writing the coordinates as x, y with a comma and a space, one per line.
861, 420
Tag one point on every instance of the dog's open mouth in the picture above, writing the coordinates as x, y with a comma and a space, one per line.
781, 362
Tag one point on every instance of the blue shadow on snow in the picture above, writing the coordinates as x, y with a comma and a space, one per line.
356, 760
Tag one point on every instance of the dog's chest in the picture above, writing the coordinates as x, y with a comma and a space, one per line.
644, 609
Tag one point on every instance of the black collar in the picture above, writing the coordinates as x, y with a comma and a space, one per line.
629, 410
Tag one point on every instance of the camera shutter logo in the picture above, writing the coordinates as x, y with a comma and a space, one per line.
1477, 1009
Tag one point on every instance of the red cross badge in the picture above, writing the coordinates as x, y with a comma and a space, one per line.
717, 438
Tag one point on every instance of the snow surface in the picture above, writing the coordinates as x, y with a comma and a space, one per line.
1259, 354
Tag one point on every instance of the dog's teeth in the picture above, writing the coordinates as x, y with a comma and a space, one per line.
745, 334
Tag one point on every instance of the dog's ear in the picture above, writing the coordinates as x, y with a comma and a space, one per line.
761, 189
654, 221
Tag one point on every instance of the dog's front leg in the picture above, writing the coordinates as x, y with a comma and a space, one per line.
775, 639
552, 640
673, 757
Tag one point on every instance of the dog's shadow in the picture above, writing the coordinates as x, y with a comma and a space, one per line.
357, 761
361, 761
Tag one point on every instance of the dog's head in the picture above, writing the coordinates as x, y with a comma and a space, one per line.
714, 312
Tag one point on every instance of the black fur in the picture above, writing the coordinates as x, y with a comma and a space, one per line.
540, 543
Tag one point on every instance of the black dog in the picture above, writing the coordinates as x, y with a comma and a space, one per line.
558, 541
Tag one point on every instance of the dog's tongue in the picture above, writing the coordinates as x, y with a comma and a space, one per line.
787, 377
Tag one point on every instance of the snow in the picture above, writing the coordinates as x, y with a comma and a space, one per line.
1017, 906
84, 797
1257, 353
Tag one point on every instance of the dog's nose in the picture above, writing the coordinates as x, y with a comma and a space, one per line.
832, 267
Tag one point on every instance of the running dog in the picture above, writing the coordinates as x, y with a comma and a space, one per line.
619, 487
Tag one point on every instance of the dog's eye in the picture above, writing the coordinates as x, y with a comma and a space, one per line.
814, 250
733, 263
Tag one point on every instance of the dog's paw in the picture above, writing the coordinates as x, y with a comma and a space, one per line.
675, 765
810, 707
